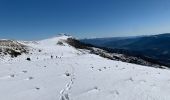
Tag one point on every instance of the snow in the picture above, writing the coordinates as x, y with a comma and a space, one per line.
64, 73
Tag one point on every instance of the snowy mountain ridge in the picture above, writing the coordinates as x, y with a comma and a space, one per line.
55, 69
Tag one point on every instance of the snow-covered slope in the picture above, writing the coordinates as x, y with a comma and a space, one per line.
58, 71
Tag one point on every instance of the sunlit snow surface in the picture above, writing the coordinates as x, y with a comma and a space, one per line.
60, 72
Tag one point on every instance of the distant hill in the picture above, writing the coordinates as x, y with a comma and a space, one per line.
153, 46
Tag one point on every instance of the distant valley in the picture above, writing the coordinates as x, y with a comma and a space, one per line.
153, 47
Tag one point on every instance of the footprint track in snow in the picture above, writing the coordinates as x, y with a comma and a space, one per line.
64, 93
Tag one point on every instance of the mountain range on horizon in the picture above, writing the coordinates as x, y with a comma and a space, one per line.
153, 46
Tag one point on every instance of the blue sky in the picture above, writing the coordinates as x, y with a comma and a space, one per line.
38, 19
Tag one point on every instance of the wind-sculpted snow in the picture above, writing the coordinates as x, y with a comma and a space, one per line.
62, 72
